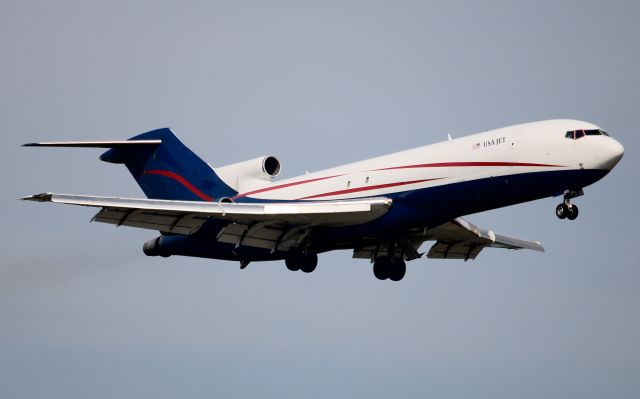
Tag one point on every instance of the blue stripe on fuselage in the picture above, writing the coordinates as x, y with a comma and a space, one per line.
428, 207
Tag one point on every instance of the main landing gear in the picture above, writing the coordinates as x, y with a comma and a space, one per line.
567, 210
391, 268
306, 262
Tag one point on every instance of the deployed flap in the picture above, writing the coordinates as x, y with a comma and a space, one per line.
266, 235
186, 217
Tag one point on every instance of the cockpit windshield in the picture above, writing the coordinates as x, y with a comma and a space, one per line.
578, 134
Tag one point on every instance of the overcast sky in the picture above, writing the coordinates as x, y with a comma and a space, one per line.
83, 313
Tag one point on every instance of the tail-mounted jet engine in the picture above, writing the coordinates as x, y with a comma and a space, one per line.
244, 176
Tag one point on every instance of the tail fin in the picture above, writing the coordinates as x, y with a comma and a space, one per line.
168, 169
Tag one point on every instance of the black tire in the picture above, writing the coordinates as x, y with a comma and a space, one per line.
562, 211
309, 263
381, 268
398, 270
573, 213
293, 263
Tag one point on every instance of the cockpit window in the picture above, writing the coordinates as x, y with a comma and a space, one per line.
576, 134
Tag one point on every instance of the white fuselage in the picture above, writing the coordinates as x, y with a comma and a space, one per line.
514, 150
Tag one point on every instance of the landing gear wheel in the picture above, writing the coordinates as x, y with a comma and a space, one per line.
393, 269
398, 270
381, 268
301, 261
567, 209
309, 263
562, 211
293, 263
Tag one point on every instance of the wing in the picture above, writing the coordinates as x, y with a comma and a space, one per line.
273, 225
460, 239
457, 239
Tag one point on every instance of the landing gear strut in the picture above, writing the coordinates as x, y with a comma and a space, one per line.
391, 268
567, 210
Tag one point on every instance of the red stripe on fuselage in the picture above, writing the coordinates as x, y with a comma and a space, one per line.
262, 190
368, 188
180, 180
424, 165
467, 164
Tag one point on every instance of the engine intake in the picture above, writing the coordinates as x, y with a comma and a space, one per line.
254, 172
271, 166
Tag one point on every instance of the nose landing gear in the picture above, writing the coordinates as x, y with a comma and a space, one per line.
564, 211
567, 210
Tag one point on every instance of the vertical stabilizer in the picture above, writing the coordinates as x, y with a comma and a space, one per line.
169, 170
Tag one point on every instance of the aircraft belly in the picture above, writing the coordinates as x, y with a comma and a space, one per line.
426, 208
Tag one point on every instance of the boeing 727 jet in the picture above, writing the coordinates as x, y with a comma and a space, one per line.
383, 209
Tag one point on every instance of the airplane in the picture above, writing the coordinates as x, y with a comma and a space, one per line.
383, 208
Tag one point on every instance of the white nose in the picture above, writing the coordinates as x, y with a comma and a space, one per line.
611, 153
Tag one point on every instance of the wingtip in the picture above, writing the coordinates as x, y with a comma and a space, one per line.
30, 144
43, 197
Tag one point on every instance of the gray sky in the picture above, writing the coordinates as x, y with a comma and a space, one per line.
85, 314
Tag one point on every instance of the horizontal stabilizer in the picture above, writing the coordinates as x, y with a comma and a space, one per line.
95, 144
161, 164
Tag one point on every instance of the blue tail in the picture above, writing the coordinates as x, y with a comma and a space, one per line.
169, 170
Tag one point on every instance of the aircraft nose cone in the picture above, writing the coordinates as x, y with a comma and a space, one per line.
612, 154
